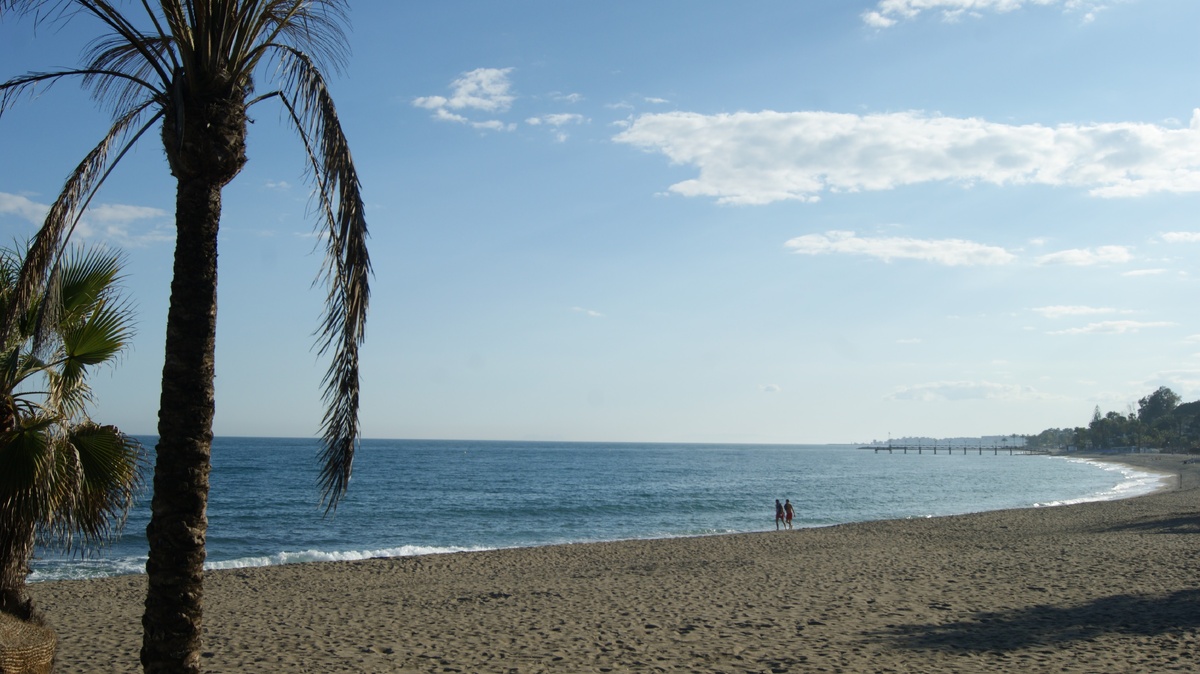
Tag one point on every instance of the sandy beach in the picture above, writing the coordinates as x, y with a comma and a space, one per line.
1097, 587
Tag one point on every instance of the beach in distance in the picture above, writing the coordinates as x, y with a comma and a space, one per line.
1104, 586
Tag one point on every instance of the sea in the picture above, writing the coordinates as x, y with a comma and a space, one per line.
417, 497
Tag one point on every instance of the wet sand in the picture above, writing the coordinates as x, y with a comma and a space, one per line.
1096, 587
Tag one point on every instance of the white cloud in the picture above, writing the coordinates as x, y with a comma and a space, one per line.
591, 313
763, 157
888, 13
965, 390
486, 89
559, 119
1114, 328
121, 213
951, 252
1181, 237
121, 224
1060, 311
480, 90
280, 185
1083, 257
22, 207
126, 226
770, 388
494, 125
1144, 272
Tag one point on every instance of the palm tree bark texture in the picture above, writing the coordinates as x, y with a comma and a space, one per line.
204, 156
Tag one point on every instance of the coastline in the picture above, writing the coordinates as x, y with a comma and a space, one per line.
1096, 586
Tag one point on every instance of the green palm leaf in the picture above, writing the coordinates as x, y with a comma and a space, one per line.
63, 477
109, 468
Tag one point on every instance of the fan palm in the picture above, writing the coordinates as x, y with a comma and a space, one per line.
188, 67
64, 475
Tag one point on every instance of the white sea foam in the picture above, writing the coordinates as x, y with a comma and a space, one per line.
82, 569
1134, 482
85, 568
302, 556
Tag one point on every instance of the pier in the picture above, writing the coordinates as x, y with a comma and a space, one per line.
955, 449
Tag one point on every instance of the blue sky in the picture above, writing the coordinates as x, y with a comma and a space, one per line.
820, 221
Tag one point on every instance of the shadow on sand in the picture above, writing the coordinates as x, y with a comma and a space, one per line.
1048, 625
1180, 524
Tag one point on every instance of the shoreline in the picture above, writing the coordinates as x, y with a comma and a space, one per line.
134, 566
1095, 586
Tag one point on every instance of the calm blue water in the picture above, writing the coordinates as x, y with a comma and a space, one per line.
416, 497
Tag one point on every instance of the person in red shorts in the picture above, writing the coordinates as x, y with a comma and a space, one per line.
788, 513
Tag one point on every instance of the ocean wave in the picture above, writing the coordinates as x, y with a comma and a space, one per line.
45, 570
77, 569
1134, 482
304, 556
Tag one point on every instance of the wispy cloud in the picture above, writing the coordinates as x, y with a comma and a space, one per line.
556, 122
121, 224
1063, 311
1144, 272
22, 207
1114, 328
888, 13
559, 119
1084, 257
764, 157
591, 313
965, 390
950, 252
127, 226
487, 90
770, 388
1181, 237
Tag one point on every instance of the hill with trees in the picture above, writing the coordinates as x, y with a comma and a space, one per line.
1160, 422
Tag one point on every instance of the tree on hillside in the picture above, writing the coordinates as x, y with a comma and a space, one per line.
1157, 405
191, 69
64, 475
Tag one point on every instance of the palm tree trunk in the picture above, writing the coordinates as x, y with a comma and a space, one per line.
16, 546
179, 522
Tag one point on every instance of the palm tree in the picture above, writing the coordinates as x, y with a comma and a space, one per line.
188, 66
64, 474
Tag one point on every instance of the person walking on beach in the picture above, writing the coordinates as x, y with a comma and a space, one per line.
778, 514
788, 512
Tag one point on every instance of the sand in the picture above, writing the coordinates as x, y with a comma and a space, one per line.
1098, 587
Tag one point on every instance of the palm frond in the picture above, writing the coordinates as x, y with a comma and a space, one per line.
96, 339
316, 25
88, 278
61, 474
114, 54
14, 89
40, 262
121, 26
108, 467
347, 268
26, 453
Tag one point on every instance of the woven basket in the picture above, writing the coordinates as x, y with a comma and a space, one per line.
25, 648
